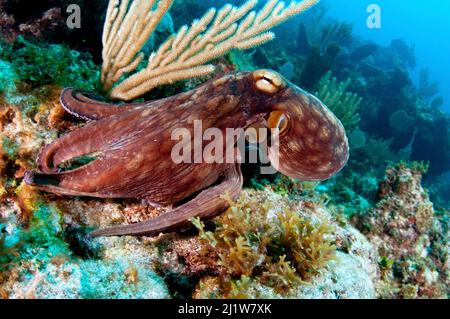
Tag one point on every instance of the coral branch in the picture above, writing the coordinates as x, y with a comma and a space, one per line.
184, 54
127, 28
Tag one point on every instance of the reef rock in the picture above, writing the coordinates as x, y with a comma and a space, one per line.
342, 263
409, 235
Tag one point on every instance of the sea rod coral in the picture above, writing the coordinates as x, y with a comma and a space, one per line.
184, 54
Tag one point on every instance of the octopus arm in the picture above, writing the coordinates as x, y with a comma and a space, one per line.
78, 104
95, 137
206, 205
51, 183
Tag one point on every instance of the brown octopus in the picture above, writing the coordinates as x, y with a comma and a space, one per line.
132, 145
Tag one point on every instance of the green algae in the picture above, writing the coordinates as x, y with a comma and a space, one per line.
38, 64
274, 246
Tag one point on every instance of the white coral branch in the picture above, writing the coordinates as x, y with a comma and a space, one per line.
184, 54
127, 28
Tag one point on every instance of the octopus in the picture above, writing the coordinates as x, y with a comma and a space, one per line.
132, 147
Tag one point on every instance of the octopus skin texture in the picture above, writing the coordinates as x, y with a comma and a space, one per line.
132, 145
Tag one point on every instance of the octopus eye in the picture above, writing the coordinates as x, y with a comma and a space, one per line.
279, 120
268, 81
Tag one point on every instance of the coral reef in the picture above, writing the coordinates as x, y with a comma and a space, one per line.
269, 240
409, 235
37, 262
370, 232
268, 246
285, 240
46, 20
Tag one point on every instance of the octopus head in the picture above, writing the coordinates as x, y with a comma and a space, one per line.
308, 140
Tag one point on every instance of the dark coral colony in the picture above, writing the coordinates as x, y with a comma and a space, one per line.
104, 195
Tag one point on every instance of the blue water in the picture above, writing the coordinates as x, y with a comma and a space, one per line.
425, 24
